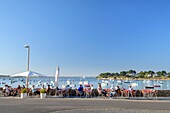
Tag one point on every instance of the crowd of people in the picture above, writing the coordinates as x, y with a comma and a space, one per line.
80, 91
9, 91
115, 91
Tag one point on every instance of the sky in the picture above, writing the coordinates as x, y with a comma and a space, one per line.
84, 37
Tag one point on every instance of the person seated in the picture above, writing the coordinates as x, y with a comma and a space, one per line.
58, 91
92, 88
23, 86
11, 91
18, 90
34, 91
6, 90
130, 88
80, 90
101, 91
66, 91
48, 90
42, 87
88, 92
112, 92
118, 91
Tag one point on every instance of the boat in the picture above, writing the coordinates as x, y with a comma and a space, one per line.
39, 82
157, 85
119, 82
134, 84
68, 82
149, 87
126, 81
73, 86
63, 86
103, 84
160, 82
106, 81
81, 82
86, 84
45, 84
3, 83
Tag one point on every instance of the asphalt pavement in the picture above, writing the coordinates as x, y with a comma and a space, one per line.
82, 105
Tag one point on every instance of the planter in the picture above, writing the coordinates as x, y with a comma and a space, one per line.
42, 95
23, 95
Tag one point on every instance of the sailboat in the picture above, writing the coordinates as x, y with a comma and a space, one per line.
86, 83
134, 84
126, 81
81, 82
148, 86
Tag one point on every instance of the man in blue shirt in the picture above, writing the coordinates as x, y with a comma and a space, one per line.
80, 90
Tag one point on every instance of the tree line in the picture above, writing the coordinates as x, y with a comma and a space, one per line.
134, 74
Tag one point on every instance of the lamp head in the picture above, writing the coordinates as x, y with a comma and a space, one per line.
27, 46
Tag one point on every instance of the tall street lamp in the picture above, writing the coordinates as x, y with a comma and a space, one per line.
28, 47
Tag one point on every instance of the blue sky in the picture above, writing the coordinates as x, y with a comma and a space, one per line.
84, 37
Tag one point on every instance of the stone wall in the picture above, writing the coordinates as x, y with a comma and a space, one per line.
163, 93
160, 93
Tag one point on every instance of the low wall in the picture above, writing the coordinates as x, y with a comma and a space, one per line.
160, 93
163, 93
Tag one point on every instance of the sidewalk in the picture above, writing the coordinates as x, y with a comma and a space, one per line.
149, 98
95, 98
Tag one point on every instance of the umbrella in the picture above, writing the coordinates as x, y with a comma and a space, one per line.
28, 74
56, 76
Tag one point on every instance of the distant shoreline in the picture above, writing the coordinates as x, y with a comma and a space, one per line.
4, 75
133, 78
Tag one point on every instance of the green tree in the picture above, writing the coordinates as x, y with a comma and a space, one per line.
123, 73
131, 73
159, 74
151, 72
169, 75
141, 74
116, 74
164, 73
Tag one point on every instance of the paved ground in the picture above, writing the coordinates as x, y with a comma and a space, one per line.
87, 105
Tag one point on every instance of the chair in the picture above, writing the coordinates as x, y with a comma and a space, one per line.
153, 93
100, 93
66, 92
131, 93
79, 93
144, 93
94, 93
88, 92
138, 93
148, 93
58, 92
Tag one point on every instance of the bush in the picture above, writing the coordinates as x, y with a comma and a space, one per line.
42, 91
24, 90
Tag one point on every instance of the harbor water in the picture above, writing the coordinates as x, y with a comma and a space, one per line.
75, 81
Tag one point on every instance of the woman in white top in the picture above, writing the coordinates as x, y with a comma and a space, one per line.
130, 88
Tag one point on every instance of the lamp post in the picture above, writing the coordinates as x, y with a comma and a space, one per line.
28, 47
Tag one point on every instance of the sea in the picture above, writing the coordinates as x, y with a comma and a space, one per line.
74, 82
